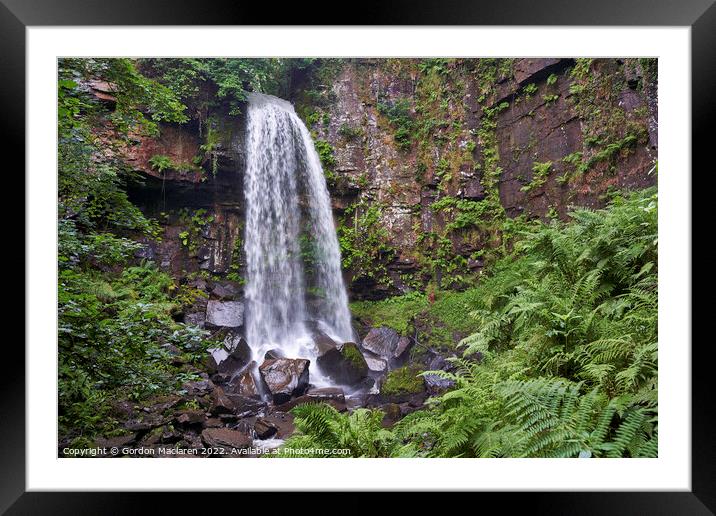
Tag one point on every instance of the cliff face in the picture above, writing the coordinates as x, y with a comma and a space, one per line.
428, 157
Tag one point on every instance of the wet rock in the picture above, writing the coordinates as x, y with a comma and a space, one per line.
404, 345
283, 422
191, 417
220, 402
244, 383
236, 357
224, 314
345, 364
375, 364
272, 354
245, 406
323, 342
434, 383
213, 422
198, 388
285, 378
220, 378
265, 429
386, 343
334, 396
225, 438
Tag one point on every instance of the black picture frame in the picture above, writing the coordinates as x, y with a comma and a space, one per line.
16, 15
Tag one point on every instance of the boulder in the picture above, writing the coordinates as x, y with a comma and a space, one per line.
323, 342
375, 364
345, 364
437, 385
237, 355
198, 388
434, 383
224, 314
244, 383
273, 353
191, 417
386, 344
213, 422
265, 429
285, 378
334, 396
245, 406
220, 402
226, 438
283, 422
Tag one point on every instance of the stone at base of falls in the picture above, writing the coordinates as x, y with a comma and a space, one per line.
272, 354
345, 364
237, 356
220, 402
375, 364
332, 395
285, 378
283, 421
244, 383
224, 314
264, 429
226, 438
387, 344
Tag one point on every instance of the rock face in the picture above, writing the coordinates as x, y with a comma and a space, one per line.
345, 364
386, 344
285, 378
224, 314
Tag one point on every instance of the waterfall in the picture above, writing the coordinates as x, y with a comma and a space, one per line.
292, 253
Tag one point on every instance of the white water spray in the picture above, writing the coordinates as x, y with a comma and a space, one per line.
290, 239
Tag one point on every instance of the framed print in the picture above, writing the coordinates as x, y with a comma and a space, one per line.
434, 253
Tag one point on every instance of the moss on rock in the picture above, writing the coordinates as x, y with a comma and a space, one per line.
403, 381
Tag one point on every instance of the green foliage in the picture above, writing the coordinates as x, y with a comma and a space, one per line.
364, 242
529, 90
321, 427
399, 114
394, 312
229, 79
405, 380
162, 163
540, 173
196, 222
567, 342
350, 132
112, 328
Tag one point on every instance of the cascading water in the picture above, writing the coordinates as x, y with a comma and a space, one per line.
290, 239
